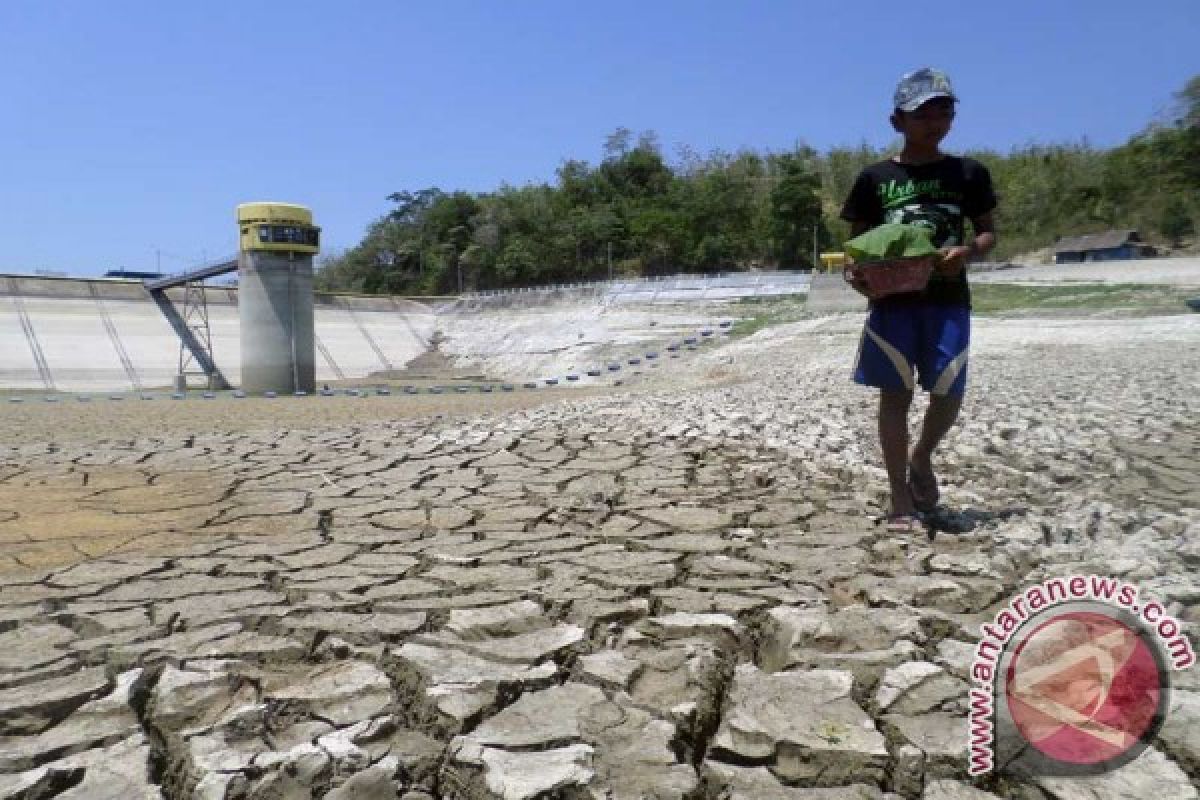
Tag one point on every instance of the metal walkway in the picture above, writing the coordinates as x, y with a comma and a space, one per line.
193, 337
198, 274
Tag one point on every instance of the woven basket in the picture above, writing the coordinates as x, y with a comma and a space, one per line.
893, 276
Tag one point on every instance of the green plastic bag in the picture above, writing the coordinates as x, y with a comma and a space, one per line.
894, 240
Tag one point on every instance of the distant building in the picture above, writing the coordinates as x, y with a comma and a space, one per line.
1107, 246
132, 274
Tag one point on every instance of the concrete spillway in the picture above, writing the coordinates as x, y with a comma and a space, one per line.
68, 334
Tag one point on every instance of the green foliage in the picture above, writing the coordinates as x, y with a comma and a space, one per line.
1123, 299
632, 214
635, 213
1175, 222
795, 209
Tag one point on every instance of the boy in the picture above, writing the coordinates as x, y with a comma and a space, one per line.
928, 331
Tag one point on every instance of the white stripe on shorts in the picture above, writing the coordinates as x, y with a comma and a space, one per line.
903, 368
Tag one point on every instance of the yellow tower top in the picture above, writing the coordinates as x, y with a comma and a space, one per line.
277, 226
274, 212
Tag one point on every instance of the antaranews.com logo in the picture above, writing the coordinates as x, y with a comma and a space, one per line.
1072, 677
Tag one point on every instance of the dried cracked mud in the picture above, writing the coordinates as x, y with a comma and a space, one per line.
677, 592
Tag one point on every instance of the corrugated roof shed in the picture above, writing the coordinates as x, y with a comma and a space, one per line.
1096, 241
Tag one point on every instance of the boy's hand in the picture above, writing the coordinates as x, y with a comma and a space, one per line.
952, 260
855, 279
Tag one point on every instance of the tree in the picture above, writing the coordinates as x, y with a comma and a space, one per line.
478, 265
516, 262
1175, 222
1187, 109
411, 206
638, 172
616, 144
795, 209
658, 236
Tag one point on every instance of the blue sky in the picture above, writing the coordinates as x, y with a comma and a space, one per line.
132, 129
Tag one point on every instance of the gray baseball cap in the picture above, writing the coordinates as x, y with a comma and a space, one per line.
919, 87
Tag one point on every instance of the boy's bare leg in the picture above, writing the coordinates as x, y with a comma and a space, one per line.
939, 419
893, 440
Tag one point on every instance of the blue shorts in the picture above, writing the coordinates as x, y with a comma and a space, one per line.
930, 340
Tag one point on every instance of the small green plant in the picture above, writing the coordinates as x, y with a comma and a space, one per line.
768, 311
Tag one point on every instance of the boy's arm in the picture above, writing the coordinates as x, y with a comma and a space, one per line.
860, 206
980, 200
856, 227
985, 234
954, 259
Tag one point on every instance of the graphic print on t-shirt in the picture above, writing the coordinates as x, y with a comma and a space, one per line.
942, 220
940, 213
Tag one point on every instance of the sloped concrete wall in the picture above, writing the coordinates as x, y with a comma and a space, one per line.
669, 290
60, 334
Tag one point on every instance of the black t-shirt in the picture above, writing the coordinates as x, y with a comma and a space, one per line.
939, 196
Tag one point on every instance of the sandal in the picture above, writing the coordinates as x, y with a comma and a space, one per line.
924, 489
904, 523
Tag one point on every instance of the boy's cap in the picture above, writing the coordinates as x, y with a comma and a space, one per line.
919, 87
